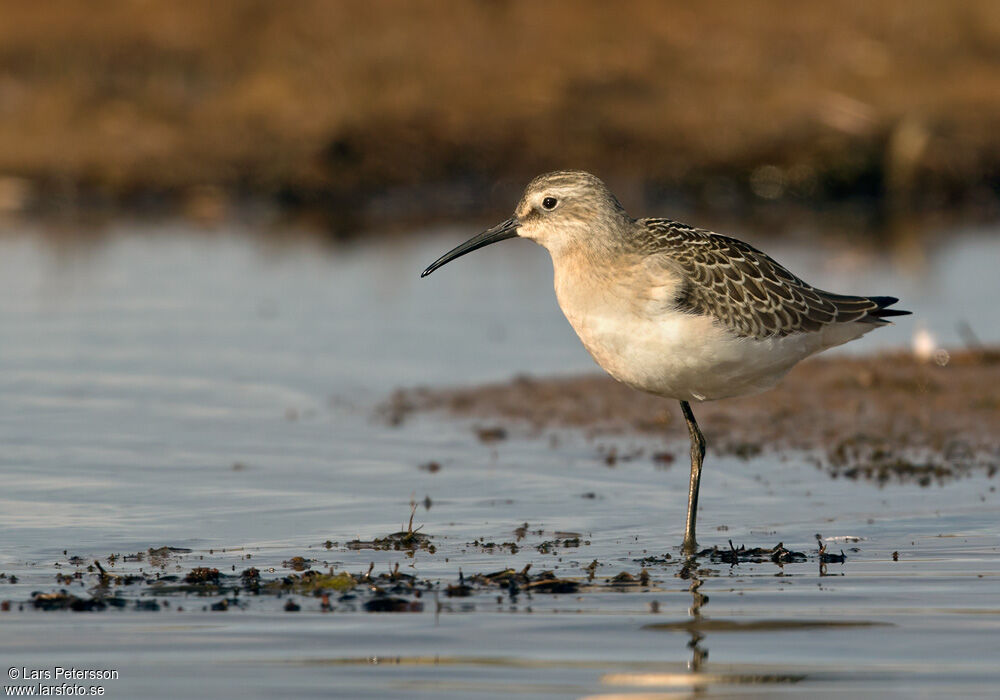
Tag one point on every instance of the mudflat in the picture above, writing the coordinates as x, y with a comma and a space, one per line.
882, 416
372, 106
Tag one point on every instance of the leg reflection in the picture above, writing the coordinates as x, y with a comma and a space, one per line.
699, 654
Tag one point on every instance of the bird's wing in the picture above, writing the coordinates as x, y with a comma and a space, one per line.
744, 289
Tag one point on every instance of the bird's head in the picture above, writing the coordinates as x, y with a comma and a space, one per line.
563, 211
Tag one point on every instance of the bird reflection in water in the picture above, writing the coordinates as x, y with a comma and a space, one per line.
699, 654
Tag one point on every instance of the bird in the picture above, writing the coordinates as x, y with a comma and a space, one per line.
674, 310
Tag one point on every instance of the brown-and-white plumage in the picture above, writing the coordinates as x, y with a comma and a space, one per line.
747, 291
674, 310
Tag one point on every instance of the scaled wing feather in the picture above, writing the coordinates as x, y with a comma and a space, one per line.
744, 289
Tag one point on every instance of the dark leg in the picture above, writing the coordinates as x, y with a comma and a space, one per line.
690, 546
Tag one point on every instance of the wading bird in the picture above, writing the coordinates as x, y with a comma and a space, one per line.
673, 310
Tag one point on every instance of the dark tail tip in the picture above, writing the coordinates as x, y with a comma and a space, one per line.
882, 311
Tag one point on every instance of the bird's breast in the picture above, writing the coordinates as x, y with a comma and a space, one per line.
632, 329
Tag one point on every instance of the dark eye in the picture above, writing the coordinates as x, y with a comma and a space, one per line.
549, 203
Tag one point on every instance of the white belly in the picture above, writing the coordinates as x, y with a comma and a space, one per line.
642, 343
686, 357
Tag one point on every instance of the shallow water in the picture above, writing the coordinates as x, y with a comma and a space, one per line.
215, 392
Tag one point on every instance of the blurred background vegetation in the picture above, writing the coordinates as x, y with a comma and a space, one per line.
380, 111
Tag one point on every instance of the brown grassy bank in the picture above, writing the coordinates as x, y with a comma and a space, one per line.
877, 417
373, 106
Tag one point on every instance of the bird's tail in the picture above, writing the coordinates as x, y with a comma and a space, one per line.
863, 309
883, 310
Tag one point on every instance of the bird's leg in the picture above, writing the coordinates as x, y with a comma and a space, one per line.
690, 546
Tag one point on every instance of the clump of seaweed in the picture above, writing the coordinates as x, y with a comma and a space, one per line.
202, 574
312, 582
732, 556
409, 539
309, 587
561, 539
493, 547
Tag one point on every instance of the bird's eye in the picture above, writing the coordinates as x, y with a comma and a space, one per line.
549, 203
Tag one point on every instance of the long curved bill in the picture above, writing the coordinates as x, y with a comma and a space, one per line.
500, 232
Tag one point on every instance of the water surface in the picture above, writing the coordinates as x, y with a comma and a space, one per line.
216, 392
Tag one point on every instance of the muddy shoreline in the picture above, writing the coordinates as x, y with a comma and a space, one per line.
883, 417
173, 579
372, 113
